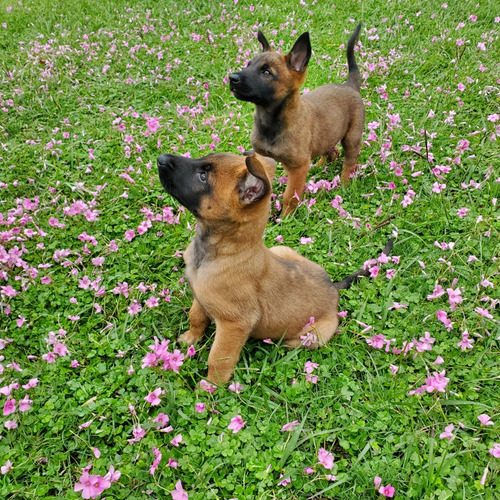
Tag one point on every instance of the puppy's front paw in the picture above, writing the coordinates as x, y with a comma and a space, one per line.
188, 338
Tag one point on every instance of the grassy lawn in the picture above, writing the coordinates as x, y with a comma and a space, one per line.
91, 271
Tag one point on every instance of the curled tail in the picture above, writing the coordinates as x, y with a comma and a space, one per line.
354, 78
347, 282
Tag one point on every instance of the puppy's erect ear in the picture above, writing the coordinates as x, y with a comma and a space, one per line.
299, 56
254, 185
262, 39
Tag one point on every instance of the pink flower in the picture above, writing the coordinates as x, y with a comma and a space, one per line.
96, 452
439, 361
305, 241
179, 493
6, 468
466, 342
91, 486
447, 434
387, 491
484, 476
61, 349
153, 397
325, 459
112, 476
191, 351
309, 366
454, 297
129, 234
462, 212
437, 382
495, 451
236, 387
152, 302
8, 291
378, 341
138, 433
483, 312
394, 369
285, 481
485, 419
425, 343
397, 305
10, 424
31, 383
437, 187
9, 407
290, 426
377, 481
156, 461
437, 292
162, 420
134, 308
236, 424
153, 124
177, 440
207, 386
199, 407
443, 317
309, 339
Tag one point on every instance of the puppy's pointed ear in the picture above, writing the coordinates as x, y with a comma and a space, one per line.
298, 57
263, 41
254, 185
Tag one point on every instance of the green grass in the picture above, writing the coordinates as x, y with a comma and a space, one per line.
79, 81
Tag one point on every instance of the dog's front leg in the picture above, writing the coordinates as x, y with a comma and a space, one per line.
198, 322
295, 187
230, 337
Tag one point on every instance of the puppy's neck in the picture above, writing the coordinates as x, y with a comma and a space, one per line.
270, 121
218, 240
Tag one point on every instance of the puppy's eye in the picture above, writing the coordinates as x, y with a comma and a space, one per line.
266, 72
203, 176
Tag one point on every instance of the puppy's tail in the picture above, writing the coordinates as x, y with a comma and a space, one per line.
347, 282
354, 78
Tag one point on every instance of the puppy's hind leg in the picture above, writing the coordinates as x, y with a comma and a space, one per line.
351, 144
318, 334
198, 322
288, 253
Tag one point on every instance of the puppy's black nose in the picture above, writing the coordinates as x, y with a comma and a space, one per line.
163, 160
234, 78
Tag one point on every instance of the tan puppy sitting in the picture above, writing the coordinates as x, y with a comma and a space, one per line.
249, 290
294, 129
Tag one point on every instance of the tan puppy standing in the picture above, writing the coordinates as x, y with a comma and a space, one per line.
294, 129
249, 290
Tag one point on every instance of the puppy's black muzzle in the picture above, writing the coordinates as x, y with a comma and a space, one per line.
234, 80
180, 177
164, 161
238, 86
165, 167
